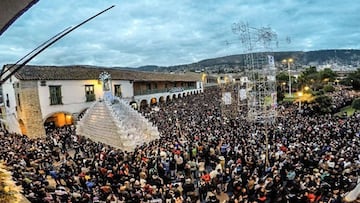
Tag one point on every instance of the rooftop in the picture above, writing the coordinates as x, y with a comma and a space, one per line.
83, 72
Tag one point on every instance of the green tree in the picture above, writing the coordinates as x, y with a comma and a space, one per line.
309, 77
310, 71
282, 77
353, 79
329, 88
282, 80
279, 94
323, 104
327, 75
356, 104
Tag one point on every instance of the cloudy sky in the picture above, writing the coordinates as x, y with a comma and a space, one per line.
172, 32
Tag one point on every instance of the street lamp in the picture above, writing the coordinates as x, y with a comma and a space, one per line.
289, 61
300, 94
283, 86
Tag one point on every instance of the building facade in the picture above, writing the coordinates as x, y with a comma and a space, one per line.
38, 97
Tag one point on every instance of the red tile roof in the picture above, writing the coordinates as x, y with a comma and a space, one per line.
81, 72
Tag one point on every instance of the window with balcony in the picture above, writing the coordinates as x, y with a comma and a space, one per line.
55, 95
89, 93
117, 90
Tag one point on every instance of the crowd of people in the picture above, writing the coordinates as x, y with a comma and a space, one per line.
338, 99
342, 97
201, 156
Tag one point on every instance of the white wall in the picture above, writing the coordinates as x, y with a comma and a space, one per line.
10, 112
73, 95
200, 85
126, 87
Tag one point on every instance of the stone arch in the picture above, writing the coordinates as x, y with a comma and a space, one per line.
143, 104
161, 100
184, 94
22, 127
179, 95
153, 101
168, 98
58, 119
174, 96
134, 105
188, 93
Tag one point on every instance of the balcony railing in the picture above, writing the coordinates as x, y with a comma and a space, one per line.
56, 100
155, 91
90, 97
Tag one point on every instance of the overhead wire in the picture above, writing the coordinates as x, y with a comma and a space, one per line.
47, 44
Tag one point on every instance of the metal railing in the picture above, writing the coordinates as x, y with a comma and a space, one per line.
90, 97
56, 100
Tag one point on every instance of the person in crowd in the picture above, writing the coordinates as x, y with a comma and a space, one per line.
199, 157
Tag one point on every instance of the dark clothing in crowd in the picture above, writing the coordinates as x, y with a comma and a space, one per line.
312, 158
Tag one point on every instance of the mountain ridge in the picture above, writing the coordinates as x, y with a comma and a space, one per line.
347, 57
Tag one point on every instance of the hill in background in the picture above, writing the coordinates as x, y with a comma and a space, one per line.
344, 59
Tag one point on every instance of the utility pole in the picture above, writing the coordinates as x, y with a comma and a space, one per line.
289, 67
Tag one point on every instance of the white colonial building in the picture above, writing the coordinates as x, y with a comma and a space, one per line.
37, 96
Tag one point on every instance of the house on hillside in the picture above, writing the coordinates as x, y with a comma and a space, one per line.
39, 96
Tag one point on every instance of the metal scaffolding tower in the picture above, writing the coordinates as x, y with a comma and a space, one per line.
260, 71
261, 76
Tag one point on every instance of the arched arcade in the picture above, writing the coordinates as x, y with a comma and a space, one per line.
58, 119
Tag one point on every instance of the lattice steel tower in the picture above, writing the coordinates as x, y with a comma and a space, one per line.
260, 71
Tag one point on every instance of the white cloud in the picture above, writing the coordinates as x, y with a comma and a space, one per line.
143, 32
